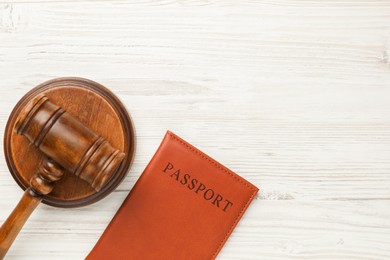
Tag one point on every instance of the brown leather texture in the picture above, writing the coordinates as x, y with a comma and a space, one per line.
185, 205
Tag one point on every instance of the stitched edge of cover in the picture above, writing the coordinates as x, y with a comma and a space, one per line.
234, 225
226, 170
212, 161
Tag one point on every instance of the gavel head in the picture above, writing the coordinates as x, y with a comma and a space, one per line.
68, 142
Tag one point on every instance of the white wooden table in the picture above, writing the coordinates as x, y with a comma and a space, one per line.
292, 95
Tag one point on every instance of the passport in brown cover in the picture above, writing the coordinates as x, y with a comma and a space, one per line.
184, 206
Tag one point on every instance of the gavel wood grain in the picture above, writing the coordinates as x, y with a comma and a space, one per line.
41, 184
67, 150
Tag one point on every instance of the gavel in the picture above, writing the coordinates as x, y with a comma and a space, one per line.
67, 145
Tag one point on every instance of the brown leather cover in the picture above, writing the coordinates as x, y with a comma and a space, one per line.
184, 206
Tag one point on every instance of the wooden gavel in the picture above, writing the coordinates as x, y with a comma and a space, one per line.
69, 146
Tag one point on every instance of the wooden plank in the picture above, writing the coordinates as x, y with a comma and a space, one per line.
292, 95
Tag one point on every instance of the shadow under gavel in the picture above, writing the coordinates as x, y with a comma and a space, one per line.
68, 146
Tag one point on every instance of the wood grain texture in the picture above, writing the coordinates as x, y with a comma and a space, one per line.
292, 95
69, 109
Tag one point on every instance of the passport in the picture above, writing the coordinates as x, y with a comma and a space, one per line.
185, 205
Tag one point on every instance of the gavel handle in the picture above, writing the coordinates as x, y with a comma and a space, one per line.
41, 183
14, 223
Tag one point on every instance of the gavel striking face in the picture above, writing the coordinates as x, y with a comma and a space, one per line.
69, 143
66, 146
